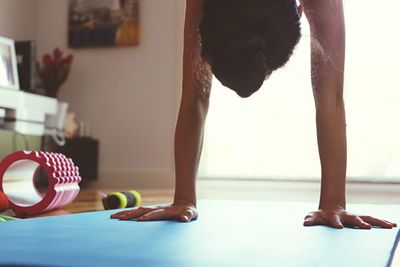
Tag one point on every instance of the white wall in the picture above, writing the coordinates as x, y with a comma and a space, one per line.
129, 96
18, 19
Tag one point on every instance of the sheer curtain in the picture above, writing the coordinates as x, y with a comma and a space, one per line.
272, 134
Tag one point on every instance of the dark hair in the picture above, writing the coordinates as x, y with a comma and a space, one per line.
245, 40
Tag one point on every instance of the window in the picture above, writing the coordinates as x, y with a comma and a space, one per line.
272, 134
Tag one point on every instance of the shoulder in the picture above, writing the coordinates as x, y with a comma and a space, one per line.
321, 8
194, 7
193, 16
324, 16
320, 3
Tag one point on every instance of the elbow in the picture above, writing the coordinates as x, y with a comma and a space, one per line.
199, 96
196, 102
328, 93
201, 101
331, 113
330, 106
196, 89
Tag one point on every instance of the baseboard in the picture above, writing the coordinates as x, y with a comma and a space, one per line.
136, 179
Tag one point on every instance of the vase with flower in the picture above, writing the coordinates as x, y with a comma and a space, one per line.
54, 70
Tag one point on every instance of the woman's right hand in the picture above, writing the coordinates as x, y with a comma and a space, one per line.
180, 210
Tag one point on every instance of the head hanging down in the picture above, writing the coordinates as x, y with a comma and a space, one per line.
244, 41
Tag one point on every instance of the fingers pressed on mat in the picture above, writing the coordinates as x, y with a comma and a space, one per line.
116, 215
308, 221
139, 210
187, 216
393, 224
154, 215
351, 221
129, 211
134, 214
335, 222
377, 222
311, 219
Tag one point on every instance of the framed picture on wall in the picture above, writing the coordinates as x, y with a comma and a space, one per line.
8, 64
103, 23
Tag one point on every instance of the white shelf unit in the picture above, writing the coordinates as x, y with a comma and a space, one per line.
28, 110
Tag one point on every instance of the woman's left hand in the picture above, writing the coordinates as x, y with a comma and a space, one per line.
338, 217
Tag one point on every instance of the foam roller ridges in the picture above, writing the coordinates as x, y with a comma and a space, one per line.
62, 176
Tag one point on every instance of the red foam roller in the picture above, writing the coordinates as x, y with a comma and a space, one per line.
17, 171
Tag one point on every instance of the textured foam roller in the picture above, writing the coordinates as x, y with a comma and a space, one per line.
17, 171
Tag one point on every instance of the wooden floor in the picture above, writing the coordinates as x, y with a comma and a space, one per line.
89, 199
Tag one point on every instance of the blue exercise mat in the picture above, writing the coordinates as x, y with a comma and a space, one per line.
227, 233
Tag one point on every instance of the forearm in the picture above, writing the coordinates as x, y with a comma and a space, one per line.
331, 123
193, 109
328, 57
188, 144
331, 132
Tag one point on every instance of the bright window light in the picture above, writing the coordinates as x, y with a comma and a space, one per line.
272, 134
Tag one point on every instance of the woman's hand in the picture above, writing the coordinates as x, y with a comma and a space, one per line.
338, 217
182, 211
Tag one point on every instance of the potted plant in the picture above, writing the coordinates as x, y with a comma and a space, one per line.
54, 70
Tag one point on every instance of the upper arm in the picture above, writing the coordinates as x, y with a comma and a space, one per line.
326, 19
196, 72
192, 15
324, 16
192, 42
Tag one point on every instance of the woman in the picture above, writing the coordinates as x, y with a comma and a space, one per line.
242, 42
